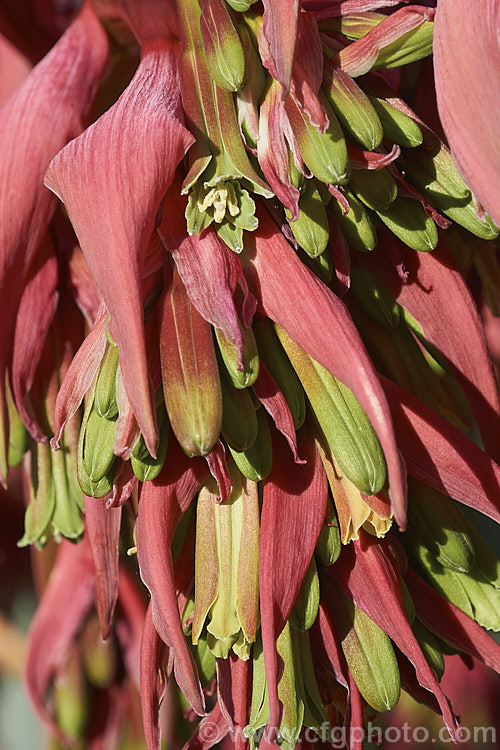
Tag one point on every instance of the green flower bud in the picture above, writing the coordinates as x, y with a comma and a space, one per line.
325, 154
96, 463
374, 297
311, 227
439, 524
255, 462
239, 420
70, 697
18, 435
357, 225
434, 173
353, 108
430, 648
305, 609
99, 656
105, 390
371, 659
398, 127
343, 421
282, 371
67, 519
375, 188
240, 5
42, 498
297, 690
190, 373
328, 545
407, 219
321, 265
241, 378
225, 57
408, 603
97, 445
144, 466
412, 46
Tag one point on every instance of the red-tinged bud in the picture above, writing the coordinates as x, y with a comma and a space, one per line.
223, 48
190, 374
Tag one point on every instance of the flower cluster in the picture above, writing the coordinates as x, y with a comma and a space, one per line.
240, 356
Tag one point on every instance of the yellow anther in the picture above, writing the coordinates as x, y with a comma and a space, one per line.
222, 198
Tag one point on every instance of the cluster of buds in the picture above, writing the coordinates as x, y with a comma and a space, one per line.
239, 358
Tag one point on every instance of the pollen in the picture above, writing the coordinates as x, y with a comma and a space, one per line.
223, 199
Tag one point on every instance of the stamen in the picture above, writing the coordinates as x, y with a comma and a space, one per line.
223, 198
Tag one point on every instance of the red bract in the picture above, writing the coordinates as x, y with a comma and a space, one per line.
217, 463
293, 509
436, 295
235, 676
41, 116
332, 8
298, 301
163, 502
128, 192
358, 58
467, 68
56, 642
440, 455
280, 27
274, 402
79, 378
14, 66
154, 653
209, 271
308, 71
272, 148
103, 531
36, 310
369, 573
